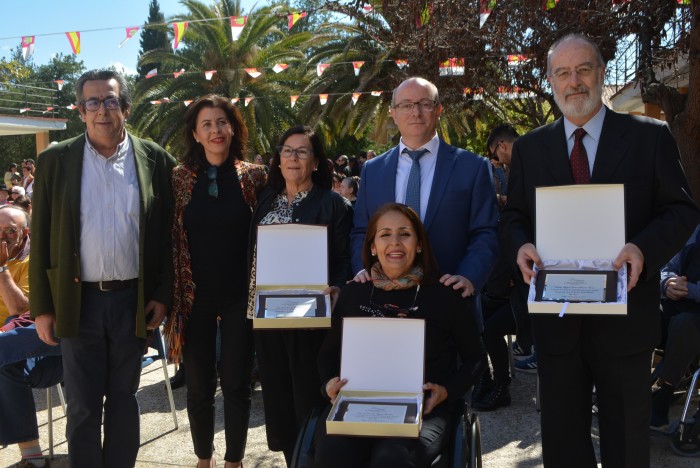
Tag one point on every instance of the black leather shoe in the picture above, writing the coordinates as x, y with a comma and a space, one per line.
178, 380
498, 397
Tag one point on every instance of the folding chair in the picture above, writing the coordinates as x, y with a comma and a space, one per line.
49, 409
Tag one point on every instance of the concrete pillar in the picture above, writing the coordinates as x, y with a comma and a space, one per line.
42, 142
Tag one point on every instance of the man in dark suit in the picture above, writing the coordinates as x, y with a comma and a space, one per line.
613, 353
456, 199
101, 266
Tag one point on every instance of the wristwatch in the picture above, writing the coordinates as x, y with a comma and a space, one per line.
4, 268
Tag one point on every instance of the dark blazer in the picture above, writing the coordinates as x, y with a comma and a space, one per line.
462, 214
659, 216
54, 263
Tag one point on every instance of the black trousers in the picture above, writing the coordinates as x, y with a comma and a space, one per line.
498, 322
332, 451
682, 342
624, 406
199, 356
290, 382
103, 361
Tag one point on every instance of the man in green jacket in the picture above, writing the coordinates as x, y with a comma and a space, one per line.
101, 266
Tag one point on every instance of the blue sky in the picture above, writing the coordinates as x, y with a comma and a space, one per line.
102, 27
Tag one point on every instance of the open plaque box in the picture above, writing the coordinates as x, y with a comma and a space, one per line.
580, 229
383, 360
291, 273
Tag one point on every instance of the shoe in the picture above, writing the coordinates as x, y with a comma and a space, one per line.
27, 463
520, 353
660, 404
482, 386
498, 397
178, 380
528, 365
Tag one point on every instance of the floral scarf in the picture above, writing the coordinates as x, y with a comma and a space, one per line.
409, 280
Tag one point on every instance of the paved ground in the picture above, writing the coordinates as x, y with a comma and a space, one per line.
510, 436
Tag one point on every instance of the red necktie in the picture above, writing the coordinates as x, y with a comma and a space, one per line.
579, 159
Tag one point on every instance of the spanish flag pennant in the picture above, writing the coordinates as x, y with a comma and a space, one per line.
485, 9
74, 39
376, 93
152, 73
209, 74
280, 67
321, 67
234, 100
424, 15
355, 97
237, 24
253, 72
59, 83
292, 18
683, 2
293, 100
178, 73
356, 67
452, 67
516, 60
48, 109
549, 4
187, 102
130, 32
27, 46
323, 98
401, 63
179, 29
248, 100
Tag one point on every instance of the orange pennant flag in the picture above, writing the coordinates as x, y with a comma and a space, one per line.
294, 100
323, 98
292, 18
59, 83
179, 29
355, 97
248, 100
74, 39
130, 32
356, 67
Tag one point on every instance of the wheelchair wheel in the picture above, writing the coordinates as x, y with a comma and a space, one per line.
475, 442
686, 439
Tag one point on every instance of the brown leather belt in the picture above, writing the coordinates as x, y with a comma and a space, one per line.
115, 285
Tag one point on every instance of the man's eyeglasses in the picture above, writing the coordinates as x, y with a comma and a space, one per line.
10, 231
213, 189
583, 71
286, 152
425, 105
93, 105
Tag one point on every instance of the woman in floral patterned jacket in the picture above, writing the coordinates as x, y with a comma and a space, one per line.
215, 195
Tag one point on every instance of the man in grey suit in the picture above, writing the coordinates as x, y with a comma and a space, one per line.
101, 266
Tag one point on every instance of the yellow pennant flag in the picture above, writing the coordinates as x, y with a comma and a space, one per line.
292, 18
179, 29
74, 39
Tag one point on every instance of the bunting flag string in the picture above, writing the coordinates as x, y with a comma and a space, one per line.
130, 32
74, 39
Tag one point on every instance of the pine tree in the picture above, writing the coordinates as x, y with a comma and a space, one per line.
153, 37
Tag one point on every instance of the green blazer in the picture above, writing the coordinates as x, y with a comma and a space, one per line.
54, 262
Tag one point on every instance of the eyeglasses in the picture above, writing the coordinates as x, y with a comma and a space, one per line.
213, 189
426, 105
583, 71
10, 231
286, 152
93, 105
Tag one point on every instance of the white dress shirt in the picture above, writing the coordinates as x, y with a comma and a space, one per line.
593, 128
427, 172
109, 214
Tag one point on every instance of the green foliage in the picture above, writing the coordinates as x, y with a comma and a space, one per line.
153, 37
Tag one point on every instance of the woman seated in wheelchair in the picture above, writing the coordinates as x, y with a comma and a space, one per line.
404, 283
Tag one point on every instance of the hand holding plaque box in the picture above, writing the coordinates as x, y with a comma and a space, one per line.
580, 229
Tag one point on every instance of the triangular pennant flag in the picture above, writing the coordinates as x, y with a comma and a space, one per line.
293, 100
280, 67
237, 24
425, 13
74, 39
355, 97
247, 100
683, 2
485, 9
376, 93
549, 4
71, 107
178, 73
59, 83
321, 67
401, 63
209, 74
130, 32
368, 8
323, 98
48, 109
179, 29
234, 100
27, 46
253, 72
516, 60
356, 67
155, 102
292, 18
452, 67
152, 73
24, 109
467, 91
187, 102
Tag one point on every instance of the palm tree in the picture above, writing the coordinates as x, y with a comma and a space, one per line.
207, 45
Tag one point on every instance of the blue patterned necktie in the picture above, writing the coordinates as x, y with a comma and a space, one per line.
413, 187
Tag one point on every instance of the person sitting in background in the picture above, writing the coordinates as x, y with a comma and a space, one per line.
405, 279
348, 189
680, 313
337, 181
11, 170
4, 194
28, 176
25, 203
25, 361
15, 192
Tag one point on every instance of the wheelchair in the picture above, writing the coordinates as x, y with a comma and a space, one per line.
464, 451
685, 439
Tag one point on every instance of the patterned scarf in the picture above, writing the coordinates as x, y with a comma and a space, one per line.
409, 280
